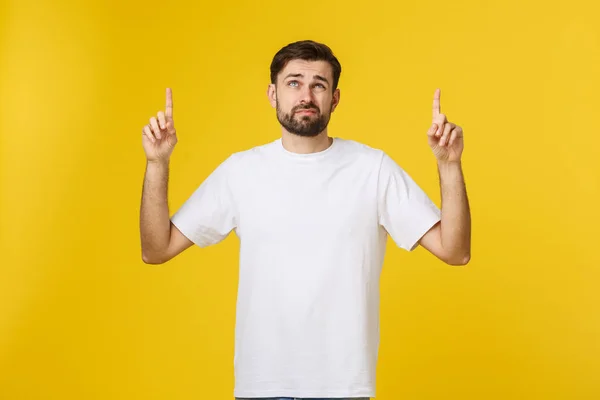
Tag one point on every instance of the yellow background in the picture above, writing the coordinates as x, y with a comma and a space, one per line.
81, 317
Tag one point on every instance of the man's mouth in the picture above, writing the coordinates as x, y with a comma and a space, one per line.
307, 111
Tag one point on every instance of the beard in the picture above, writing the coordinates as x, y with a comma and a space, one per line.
303, 125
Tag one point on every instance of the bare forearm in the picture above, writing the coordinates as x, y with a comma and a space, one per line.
155, 223
456, 216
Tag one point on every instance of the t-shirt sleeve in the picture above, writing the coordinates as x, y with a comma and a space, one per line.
209, 214
405, 210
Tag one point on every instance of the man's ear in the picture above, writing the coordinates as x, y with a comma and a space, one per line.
335, 100
272, 95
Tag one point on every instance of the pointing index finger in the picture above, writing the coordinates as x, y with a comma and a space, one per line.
169, 104
436, 103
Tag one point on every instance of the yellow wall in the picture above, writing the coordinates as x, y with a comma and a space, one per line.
81, 317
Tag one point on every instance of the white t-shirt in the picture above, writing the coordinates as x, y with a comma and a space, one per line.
313, 231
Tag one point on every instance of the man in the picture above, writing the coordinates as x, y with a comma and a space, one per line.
312, 214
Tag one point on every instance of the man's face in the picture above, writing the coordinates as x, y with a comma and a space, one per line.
303, 97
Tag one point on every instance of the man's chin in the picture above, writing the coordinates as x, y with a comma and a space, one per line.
305, 134
302, 118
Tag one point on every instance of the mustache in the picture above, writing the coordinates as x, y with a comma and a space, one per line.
310, 106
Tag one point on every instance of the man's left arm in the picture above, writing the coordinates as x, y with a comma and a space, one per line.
449, 239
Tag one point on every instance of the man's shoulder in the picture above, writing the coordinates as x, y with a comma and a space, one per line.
252, 153
355, 148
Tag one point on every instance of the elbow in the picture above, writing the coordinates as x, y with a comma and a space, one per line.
152, 259
459, 260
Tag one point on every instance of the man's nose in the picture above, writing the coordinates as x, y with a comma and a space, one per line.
306, 95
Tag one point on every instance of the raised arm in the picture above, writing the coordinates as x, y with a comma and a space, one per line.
449, 240
160, 239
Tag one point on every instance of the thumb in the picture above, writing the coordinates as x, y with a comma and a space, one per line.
170, 127
432, 130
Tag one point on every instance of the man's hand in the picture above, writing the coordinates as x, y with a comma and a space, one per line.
159, 136
445, 138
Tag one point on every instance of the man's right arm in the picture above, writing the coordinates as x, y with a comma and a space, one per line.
161, 240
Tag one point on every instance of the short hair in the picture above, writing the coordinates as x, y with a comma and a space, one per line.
307, 50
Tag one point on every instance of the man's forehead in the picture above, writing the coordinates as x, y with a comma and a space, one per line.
308, 68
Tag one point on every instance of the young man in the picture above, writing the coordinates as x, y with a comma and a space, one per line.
312, 214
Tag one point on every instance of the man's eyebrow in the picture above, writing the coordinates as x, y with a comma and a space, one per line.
317, 77
294, 76
322, 78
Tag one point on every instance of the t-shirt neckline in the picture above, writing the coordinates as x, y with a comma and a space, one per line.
308, 156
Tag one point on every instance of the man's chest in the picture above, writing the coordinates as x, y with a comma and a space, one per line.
340, 204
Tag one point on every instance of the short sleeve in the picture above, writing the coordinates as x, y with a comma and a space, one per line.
405, 210
209, 215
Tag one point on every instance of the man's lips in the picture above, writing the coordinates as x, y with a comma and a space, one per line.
306, 111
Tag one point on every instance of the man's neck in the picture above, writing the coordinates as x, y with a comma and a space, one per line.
305, 145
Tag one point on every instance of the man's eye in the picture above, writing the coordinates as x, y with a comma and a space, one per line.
292, 83
321, 86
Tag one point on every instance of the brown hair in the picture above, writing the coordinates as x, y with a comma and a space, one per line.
307, 50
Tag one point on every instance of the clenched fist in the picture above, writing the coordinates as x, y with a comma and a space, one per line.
159, 136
